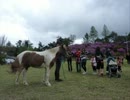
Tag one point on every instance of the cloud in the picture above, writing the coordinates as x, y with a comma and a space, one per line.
44, 20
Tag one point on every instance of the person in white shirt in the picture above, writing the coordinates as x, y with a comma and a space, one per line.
94, 64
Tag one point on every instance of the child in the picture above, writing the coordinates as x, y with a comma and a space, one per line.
119, 63
93, 64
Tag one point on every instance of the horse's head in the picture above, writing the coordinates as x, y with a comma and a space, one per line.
63, 50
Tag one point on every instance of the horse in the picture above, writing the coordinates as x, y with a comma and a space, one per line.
37, 59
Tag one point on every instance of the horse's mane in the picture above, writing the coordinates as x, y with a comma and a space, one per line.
53, 49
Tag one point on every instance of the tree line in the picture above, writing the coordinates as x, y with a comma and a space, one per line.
107, 36
6, 47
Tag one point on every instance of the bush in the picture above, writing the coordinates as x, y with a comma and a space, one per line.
2, 58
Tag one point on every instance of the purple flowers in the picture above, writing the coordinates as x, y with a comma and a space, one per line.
90, 47
121, 50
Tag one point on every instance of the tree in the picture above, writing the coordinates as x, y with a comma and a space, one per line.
51, 45
66, 41
72, 38
40, 46
27, 45
93, 34
8, 44
3, 40
112, 37
128, 37
19, 43
99, 40
86, 38
120, 38
23, 45
105, 33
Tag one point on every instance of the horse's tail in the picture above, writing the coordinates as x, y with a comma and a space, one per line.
15, 66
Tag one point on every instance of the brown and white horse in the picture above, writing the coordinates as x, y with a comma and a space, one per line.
36, 59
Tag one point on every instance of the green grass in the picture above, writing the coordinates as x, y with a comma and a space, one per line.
75, 87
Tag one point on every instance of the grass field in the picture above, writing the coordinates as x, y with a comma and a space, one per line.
75, 86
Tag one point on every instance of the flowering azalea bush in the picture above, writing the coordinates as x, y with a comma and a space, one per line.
116, 48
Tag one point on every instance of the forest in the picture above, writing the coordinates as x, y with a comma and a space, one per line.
119, 44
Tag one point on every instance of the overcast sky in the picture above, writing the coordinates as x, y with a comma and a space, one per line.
44, 20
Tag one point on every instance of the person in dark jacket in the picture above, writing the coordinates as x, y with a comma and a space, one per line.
99, 59
59, 59
57, 70
108, 55
128, 58
69, 60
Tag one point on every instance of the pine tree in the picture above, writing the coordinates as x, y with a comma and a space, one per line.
86, 38
105, 33
93, 34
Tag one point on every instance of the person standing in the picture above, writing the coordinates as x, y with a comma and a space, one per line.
83, 59
78, 67
59, 59
128, 58
69, 60
99, 60
94, 64
108, 57
108, 52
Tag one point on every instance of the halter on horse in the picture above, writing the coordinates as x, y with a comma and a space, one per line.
36, 59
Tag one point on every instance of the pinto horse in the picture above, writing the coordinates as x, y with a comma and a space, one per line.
36, 59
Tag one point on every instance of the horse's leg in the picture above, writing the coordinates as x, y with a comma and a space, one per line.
47, 75
17, 76
44, 76
24, 77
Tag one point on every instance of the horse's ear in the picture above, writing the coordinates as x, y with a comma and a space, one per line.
62, 45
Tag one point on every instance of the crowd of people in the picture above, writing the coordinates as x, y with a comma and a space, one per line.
97, 62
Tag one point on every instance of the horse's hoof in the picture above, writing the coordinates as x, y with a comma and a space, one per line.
47, 84
25, 83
